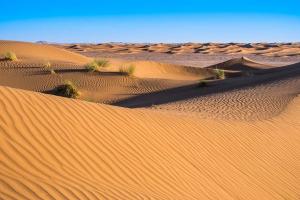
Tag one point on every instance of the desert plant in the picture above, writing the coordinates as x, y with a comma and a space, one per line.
128, 71
68, 89
48, 67
219, 73
102, 63
96, 65
52, 71
92, 67
11, 56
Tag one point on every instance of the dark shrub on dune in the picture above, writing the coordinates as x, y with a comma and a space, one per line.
67, 90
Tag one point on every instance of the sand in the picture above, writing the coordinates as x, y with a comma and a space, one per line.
107, 86
192, 54
238, 138
275, 49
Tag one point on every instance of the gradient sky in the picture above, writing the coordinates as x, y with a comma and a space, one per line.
151, 21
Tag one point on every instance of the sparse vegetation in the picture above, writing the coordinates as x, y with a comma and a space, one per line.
48, 67
96, 65
203, 83
219, 73
52, 71
128, 71
68, 89
11, 56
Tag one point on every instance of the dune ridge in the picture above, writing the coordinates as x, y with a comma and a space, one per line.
240, 64
40, 52
260, 95
55, 148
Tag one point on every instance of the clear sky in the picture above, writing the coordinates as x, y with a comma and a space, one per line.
151, 21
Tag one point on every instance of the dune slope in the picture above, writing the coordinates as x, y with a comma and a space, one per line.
56, 148
260, 96
240, 64
107, 86
31, 51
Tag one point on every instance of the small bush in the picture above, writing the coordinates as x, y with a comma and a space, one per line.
48, 67
67, 90
128, 71
96, 65
202, 83
52, 71
92, 67
102, 63
219, 73
11, 56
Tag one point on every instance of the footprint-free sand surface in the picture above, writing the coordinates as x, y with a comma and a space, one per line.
162, 137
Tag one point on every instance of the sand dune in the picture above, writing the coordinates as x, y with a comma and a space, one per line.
259, 96
150, 69
40, 52
240, 64
279, 49
55, 148
236, 138
105, 87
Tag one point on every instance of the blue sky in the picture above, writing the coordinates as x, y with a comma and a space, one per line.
151, 21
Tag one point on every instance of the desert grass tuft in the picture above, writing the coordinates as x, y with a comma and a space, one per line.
11, 56
68, 89
219, 73
48, 67
96, 65
128, 71
52, 71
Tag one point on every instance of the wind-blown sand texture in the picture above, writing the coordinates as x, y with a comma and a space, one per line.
237, 138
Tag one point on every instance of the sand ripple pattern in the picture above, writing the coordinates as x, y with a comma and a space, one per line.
56, 148
252, 103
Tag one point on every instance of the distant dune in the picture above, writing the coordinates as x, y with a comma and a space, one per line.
171, 131
241, 64
276, 49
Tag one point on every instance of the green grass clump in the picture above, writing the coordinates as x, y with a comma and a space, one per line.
11, 56
128, 71
48, 67
219, 73
67, 90
96, 65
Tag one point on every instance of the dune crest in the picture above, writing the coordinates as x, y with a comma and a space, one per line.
240, 64
40, 52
